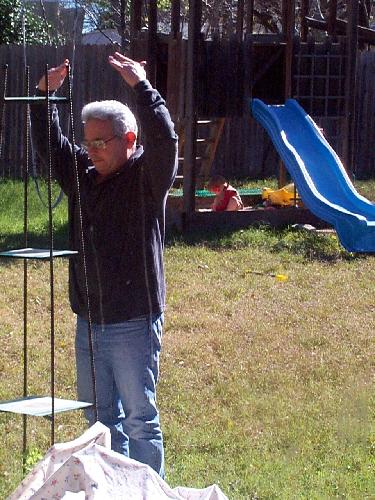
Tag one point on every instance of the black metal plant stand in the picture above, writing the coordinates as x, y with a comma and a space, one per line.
45, 406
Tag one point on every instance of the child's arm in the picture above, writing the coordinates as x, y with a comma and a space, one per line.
235, 203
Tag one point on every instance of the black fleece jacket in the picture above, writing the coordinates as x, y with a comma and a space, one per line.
123, 217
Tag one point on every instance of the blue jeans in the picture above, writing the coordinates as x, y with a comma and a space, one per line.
126, 360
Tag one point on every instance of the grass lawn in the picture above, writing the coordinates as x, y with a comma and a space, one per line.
267, 384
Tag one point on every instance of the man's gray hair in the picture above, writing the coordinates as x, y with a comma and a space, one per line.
118, 113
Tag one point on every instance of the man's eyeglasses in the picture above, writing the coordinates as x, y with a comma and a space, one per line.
98, 143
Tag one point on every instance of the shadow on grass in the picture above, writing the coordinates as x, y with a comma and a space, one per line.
9, 241
309, 245
306, 244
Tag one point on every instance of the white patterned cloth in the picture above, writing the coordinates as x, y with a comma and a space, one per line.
88, 469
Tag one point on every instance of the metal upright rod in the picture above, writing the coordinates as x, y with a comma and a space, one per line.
51, 270
2, 111
83, 250
26, 152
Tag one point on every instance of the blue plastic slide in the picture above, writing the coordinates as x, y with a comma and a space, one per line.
318, 173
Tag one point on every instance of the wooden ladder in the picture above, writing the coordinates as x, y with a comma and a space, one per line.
208, 136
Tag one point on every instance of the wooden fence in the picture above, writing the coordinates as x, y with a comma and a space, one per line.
231, 71
365, 123
319, 85
93, 79
244, 150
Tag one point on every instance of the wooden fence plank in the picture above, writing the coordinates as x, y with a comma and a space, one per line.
244, 150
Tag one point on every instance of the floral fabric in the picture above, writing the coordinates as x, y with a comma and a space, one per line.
88, 469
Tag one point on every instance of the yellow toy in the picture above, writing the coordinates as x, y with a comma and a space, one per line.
284, 197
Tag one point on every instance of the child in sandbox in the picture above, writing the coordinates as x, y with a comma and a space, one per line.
227, 197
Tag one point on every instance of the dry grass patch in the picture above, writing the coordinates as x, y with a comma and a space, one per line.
266, 386
275, 375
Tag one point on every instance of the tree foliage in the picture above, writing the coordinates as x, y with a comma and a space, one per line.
18, 19
101, 14
220, 16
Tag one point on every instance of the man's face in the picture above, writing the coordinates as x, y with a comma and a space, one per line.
109, 159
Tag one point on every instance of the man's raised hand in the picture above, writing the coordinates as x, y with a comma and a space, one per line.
56, 77
131, 71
